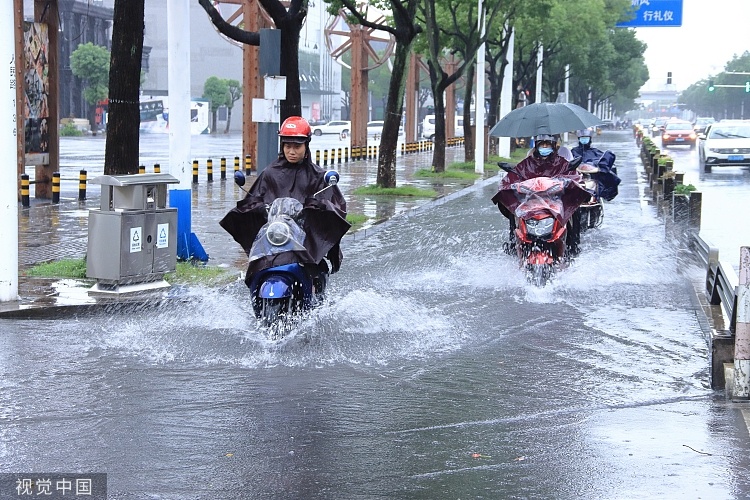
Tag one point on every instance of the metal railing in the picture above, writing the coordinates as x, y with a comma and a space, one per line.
721, 280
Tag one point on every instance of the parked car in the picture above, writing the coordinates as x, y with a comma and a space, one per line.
428, 127
700, 124
678, 133
375, 128
725, 144
333, 127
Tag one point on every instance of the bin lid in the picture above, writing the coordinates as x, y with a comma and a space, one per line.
134, 179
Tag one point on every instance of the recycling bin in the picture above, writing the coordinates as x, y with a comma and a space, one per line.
132, 236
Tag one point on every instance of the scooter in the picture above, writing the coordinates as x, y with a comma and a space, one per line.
542, 207
282, 291
592, 212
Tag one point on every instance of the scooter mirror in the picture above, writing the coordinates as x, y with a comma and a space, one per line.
505, 166
331, 178
239, 178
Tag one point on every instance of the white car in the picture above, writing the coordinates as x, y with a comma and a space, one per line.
334, 127
726, 144
375, 128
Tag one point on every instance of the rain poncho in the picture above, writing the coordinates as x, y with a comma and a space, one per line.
606, 177
324, 215
513, 192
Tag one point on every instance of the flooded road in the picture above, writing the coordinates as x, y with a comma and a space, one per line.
433, 370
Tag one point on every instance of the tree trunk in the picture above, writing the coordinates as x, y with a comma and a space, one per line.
438, 153
292, 105
392, 119
214, 114
121, 153
229, 119
468, 136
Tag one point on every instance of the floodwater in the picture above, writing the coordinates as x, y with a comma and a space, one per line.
433, 370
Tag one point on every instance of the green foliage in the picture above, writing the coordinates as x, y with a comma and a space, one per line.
216, 91
722, 102
90, 63
70, 130
356, 220
684, 189
65, 268
234, 87
187, 273
409, 191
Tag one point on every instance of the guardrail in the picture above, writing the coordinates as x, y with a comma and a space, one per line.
721, 286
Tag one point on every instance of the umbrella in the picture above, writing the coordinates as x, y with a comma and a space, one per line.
544, 118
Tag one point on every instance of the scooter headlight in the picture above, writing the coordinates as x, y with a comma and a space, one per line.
278, 233
540, 227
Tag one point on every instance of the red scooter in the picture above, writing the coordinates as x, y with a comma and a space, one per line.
542, 208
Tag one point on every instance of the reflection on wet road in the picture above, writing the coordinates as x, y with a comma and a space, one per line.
432, 371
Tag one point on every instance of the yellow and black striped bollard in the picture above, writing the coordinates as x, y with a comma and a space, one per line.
25, 190
236, 163
141, 169
317, 157
248, 165
325, 158
209, 170
82, 185
56, 187
157, 168
346, 154
223, 168
195, 171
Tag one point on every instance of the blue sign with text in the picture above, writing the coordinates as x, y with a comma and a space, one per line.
654, 13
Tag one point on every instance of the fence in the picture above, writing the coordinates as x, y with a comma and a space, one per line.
721, 287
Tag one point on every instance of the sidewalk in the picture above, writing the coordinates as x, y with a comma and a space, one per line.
49, 232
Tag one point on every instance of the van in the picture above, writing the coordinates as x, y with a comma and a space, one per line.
428, 127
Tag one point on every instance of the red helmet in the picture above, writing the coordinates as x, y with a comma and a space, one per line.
295, 129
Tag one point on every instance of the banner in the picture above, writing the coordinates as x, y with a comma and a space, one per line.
36, 89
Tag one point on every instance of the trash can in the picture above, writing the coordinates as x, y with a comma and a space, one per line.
132, 236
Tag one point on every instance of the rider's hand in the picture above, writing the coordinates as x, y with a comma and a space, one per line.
313, 202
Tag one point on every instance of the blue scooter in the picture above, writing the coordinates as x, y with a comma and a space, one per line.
281, 291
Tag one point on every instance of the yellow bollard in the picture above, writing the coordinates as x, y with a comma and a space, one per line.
82, 185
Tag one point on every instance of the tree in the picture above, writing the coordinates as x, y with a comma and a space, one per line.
451, 26
90, 63
404, 27
235, 92
289, 22
122, 148
216, 91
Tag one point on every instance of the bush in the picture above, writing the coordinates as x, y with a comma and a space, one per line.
70, 130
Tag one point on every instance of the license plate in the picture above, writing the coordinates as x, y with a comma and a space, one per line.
736, 157
680, 139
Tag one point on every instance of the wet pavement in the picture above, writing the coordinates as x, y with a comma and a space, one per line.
49, 232
433, 370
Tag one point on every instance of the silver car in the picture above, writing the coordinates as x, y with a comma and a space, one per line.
727, 143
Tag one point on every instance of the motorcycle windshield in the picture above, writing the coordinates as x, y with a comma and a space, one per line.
540, 195
282, 233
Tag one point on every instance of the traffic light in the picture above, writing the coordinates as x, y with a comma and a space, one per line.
669, 78
711, 87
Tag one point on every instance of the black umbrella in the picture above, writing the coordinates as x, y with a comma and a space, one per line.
544, 118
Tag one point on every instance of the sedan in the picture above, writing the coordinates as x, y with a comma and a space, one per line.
334, 127
726, 143
678, 133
